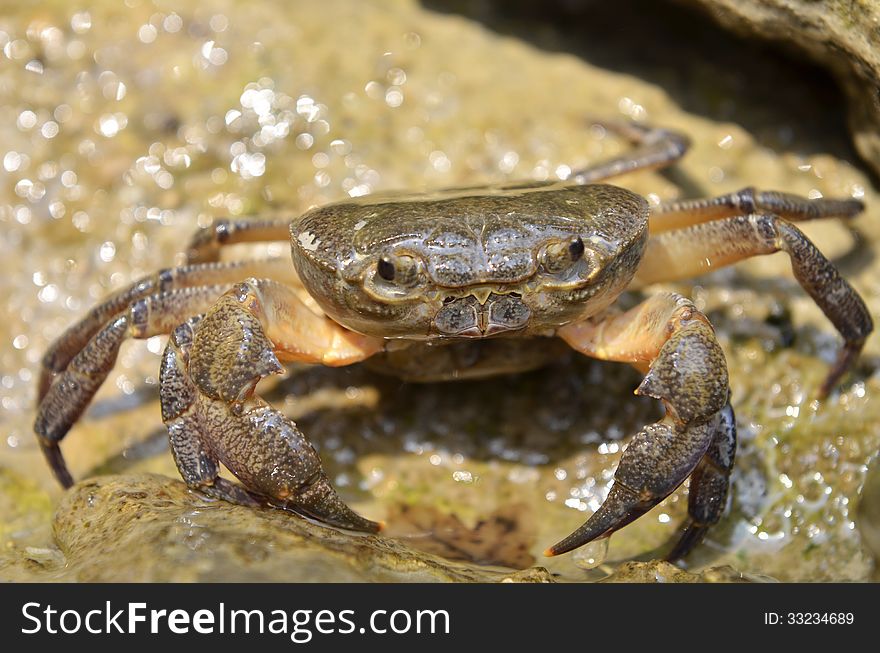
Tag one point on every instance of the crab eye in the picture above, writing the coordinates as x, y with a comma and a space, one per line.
576, 248
560, 255
403, 270
385, 268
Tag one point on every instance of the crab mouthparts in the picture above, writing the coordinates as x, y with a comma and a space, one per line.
481, 313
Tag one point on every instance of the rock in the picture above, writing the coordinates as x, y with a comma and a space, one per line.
145, 527
149, 528
658, 571
26, 547
868, 514
840, 35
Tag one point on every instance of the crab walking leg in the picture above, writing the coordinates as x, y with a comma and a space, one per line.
72, 390
701, 248
710, 482
684, 213
206, 243
654, 148
687, 371
212, 413
71, 342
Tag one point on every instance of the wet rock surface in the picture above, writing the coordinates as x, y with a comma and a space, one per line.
149, 528
125, 128
663, 572
842, 36
868, 515
144, 527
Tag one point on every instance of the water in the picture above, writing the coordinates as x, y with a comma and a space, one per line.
591, 555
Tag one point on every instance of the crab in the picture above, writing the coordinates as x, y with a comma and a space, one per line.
462, 283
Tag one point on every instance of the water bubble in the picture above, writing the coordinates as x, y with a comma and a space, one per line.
107, 251
172, 23
249, 165
373, 90
164, 179
27, 120
111, 124
48, 294
396, 77
320, 160
147, 33
81, 22
23, 187
412, 40
219, 23
57, 210
439, 161
393, 97
218, 56
12, 161
49, 129
508, 162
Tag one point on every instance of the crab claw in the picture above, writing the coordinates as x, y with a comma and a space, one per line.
709, 485
656, 462
266, 451
620, 508
214, 416
320, 500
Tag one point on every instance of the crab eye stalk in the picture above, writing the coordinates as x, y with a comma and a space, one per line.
385, 268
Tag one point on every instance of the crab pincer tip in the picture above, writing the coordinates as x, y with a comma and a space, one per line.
620, 507
321, 501
574, 541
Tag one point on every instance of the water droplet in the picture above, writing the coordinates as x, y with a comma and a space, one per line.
591, 555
